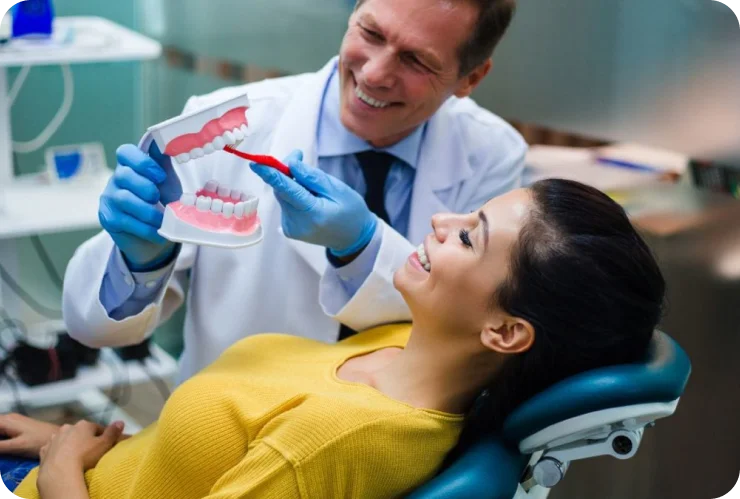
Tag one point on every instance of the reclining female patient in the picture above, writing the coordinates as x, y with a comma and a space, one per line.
540, 284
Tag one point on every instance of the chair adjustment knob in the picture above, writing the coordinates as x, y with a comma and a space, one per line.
548, 472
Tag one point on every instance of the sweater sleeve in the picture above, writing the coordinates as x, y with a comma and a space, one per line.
263, 474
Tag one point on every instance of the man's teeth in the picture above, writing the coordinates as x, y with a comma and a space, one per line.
241, 204
369, 100
228, 138
421, 252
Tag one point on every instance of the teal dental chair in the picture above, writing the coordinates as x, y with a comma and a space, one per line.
597, 413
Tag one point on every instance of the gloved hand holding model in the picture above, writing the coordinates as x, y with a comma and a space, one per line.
319, 208
129, 210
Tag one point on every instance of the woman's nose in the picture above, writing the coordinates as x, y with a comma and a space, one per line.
441, 225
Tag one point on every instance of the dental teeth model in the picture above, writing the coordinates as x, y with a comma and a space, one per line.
215, 215
203, 132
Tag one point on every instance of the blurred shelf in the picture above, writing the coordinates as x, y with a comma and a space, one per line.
28, 205
31, 206
81, 40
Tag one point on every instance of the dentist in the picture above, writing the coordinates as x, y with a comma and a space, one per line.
387, 137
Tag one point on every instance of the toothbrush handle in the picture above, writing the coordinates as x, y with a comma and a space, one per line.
262, 159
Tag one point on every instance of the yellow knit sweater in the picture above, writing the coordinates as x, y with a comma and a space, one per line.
270, 419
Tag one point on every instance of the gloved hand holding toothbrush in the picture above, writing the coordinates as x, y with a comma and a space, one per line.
320, 209
129, 210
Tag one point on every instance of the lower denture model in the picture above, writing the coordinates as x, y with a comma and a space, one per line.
215, 215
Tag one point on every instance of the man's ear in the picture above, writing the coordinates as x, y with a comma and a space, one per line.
513, 335
471, 80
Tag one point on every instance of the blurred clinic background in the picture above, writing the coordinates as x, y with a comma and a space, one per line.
595, 86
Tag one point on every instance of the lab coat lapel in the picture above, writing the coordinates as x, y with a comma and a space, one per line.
297, 130
443, 164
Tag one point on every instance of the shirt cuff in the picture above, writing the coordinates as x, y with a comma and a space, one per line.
353, 274
151, 280
122, 287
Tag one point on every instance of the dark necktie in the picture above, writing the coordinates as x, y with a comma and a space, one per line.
375, 167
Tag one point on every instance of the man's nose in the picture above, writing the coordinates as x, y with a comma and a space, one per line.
379, 71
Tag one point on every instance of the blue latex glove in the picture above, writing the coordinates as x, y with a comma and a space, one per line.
320, 209
128, 208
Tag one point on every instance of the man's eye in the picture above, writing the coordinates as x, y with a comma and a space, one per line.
465, 238
371, 33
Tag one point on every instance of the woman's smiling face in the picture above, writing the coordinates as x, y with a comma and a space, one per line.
453, 276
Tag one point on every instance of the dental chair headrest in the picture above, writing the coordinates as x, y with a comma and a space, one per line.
661, 377
492, 467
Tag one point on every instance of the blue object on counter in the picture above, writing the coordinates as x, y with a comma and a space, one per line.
33, 18
628, 165
68, 165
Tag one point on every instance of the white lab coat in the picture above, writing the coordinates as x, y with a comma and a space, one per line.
468, 156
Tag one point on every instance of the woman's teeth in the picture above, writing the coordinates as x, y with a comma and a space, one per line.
369, 100
422, 254
228, 138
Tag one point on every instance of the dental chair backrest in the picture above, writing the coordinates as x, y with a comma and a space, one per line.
600, 412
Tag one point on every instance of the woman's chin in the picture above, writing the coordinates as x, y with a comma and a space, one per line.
398, 279
408, 279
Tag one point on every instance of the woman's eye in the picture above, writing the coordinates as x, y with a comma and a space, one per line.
465, 238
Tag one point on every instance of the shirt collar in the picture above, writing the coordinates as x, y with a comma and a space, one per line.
335, 140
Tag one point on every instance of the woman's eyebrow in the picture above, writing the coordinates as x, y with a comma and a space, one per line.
484, 220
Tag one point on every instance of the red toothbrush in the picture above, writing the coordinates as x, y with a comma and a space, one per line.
262, 159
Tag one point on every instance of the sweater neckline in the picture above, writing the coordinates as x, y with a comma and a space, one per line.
358, 352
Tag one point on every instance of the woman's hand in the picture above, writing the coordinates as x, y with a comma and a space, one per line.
26, 436
79, 447
69, 453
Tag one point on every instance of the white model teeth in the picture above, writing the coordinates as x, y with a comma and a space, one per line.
369, 100
203, 203
250, 205
230, 137
239, 210
217, 205
227, 210
188, 199
241, 204
421, 252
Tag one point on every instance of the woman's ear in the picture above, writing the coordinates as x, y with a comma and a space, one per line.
512, 335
